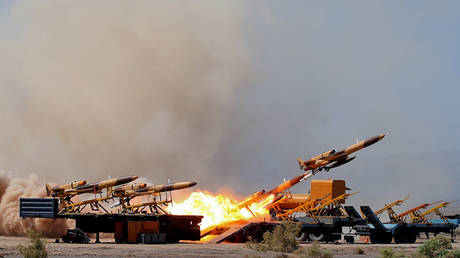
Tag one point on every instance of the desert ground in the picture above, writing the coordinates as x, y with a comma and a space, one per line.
108, 249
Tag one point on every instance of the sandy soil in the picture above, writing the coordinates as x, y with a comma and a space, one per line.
106, 248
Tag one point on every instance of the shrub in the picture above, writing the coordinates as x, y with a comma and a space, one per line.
36, 247
453, 254
252, 244
282, 239
436, 247
390, 253
313, 251
359, 250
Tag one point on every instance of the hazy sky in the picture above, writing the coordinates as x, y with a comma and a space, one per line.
330, 73
293, 79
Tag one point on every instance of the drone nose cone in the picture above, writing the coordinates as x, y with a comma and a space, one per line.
182, 185
372, 140
126, 179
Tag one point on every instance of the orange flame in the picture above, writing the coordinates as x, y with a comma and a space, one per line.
218, 209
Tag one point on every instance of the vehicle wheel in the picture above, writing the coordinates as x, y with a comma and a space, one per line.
400, 238
374, 238
302, 236
412, 237
316, 237
405, 237
349, 239
171, 233
387, 238
381, 238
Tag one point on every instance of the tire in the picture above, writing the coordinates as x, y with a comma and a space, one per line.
65, 239
407, 237
387, 238
400, 238
302, 236
381, 238
316, 237
412, 237
171, 233
349, 239
374, 238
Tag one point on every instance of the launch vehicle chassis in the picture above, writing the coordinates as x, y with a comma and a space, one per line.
127, 228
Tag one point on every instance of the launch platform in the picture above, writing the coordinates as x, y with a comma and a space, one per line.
127, 228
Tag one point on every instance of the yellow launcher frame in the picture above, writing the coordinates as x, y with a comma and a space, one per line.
154, 207
312, 211
414, 213
422, 217
389, 209
304, 207
391, 205
79, 206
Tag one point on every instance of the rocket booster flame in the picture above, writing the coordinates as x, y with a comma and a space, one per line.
219, 209
262, 195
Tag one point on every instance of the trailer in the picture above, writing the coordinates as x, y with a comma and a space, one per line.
379, 232
330, 228
127, 228
326, 229
318, 228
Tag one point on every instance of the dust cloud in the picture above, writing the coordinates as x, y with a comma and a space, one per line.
90, 89
13, 188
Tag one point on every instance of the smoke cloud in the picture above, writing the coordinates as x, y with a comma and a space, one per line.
10, 222
216, 94
90, 89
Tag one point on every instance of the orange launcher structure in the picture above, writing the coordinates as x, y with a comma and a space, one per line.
324, 190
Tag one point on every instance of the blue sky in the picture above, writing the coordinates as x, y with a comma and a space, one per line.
317, 75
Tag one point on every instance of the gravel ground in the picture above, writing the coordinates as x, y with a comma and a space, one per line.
106, 248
